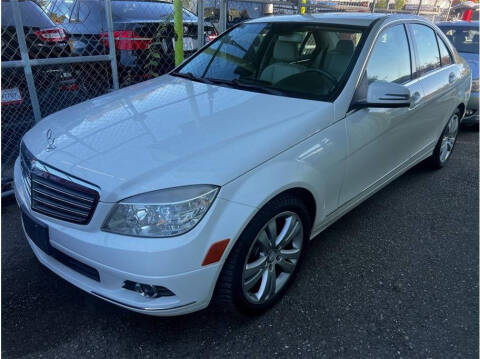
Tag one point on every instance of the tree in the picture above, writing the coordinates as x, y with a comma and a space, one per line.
381, 4
399, 4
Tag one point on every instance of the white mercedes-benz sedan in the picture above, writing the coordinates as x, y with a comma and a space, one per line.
207, 184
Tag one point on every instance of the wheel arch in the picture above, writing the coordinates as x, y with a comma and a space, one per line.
306, 197
462, 109
264, 195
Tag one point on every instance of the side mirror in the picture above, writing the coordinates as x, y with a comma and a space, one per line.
382, 94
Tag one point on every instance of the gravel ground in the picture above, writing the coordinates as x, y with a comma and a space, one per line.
396, 277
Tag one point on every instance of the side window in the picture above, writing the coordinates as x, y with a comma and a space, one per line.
427, 48
309, 46
390, 58
445, 56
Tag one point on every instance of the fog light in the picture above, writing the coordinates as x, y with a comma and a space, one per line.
148, 290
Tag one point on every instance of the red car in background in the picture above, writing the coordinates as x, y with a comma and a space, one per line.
143, 33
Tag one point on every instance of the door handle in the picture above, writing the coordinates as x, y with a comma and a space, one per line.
452, 77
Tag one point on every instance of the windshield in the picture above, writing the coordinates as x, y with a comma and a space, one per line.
465, 39
292, 59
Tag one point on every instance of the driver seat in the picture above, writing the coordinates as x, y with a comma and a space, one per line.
284, 52
336, 61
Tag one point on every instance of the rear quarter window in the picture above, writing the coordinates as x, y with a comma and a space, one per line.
445, 55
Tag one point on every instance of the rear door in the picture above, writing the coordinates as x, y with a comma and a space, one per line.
382, 139
438, 76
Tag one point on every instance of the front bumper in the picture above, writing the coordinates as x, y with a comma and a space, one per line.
173, 263
471, 114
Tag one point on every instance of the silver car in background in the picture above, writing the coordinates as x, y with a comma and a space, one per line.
464, 36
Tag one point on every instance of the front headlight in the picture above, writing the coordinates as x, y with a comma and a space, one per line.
475, 85
164, 213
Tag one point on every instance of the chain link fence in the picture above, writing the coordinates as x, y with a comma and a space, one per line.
42, 71
57, 53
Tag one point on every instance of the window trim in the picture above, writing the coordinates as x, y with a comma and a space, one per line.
411, 47
417, 74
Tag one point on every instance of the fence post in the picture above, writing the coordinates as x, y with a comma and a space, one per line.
222, 24
27, 68
178, 28
448, 11
201, 24
419, 7
111, 44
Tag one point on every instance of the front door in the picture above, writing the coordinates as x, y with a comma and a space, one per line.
382, 139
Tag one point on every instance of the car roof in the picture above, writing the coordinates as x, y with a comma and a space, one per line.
458, 23
340, 18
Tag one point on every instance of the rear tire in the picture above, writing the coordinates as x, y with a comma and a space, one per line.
266, 257
446, 142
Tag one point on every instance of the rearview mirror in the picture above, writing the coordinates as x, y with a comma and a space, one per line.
382, 94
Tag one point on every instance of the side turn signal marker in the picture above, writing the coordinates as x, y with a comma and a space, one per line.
215, 252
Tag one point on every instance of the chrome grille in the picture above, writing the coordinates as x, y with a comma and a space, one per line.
25, 162
55, 193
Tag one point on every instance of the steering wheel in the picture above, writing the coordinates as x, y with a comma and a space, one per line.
325, 74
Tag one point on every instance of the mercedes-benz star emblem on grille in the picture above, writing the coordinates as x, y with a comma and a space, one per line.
50, 140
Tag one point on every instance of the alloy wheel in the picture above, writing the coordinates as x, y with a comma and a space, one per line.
449, 138
272, 257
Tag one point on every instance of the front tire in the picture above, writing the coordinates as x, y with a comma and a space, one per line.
446, 142
266, 257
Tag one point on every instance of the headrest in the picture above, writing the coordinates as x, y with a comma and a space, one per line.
295, 37
285, 51
345, 46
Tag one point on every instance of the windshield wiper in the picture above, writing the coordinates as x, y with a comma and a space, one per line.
235, 83
191, 76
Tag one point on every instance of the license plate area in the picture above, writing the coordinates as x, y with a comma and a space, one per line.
38, 232
189, 43
11, 96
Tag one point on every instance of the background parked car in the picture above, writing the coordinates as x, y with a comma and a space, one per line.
53, 82
464, 35
143, 32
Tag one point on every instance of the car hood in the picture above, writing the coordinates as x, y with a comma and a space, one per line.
472, 60
171, 132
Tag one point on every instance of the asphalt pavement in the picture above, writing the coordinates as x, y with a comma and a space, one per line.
396, 277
